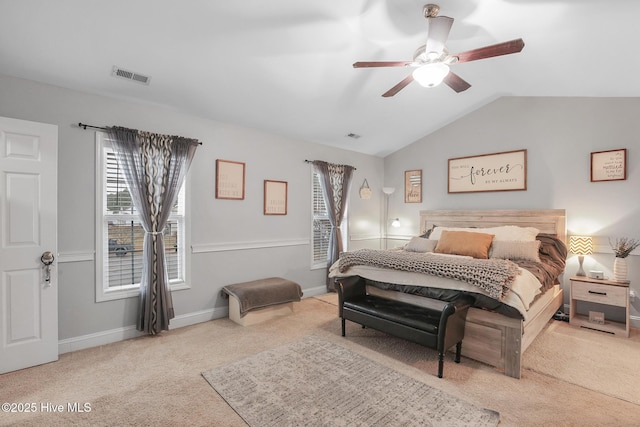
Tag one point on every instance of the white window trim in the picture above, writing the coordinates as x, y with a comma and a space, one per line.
103, 292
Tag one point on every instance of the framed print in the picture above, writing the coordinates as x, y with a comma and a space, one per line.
609, 165
506, 171
275, 197
413, 186
229, 180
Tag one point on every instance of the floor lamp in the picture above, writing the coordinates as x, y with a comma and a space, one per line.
388, 191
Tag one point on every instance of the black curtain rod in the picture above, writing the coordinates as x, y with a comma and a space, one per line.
85, 126
311, 161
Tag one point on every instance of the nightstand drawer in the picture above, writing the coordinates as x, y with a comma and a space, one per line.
602, 294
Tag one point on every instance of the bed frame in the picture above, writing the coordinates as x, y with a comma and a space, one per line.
490, 337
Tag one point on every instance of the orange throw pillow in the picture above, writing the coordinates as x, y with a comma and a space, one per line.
464, 243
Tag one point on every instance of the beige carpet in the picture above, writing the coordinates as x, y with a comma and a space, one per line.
591, 359
314, 382
157, 381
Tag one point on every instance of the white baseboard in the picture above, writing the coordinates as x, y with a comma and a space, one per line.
128, 332
99, 338
198, 317
120, 334
318, 290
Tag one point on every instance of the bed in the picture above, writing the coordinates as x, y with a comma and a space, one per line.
496, 335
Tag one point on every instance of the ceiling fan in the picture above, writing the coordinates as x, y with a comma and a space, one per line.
431, 60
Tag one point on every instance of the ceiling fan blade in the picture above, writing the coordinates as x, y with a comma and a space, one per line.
369, 64
437, 33
456, 82
513, 46
397, 88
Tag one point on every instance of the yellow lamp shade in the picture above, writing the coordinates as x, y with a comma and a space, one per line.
581, 245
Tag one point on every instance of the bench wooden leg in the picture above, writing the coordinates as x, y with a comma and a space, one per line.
458, 351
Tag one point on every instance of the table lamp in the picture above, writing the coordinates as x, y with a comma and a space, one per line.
581, 246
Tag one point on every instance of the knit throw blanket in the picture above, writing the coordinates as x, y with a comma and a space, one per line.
492, 275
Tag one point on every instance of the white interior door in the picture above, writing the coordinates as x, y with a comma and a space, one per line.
28, 228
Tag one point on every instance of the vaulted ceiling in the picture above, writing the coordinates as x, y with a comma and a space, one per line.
285, 66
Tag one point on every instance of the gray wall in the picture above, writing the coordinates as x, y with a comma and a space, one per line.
233, 241
559, 134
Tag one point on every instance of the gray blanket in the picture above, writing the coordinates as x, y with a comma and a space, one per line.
263, 293
495, 276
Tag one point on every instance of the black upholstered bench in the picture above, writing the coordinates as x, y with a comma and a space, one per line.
439, 327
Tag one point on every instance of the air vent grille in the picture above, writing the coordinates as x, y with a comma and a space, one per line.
130, 75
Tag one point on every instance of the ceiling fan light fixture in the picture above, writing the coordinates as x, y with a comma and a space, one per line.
431, 75
431, 61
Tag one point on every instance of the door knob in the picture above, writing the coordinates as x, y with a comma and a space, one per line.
47, 259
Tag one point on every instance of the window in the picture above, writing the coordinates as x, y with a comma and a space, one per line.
321, 227
120, 236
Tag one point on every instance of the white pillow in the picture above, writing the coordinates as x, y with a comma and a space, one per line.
505, 232
513, 232
420, 244
515, 250
453, 255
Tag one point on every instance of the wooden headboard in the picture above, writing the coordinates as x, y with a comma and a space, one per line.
549, 221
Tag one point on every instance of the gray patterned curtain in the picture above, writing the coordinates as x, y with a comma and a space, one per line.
154, 167
335, 181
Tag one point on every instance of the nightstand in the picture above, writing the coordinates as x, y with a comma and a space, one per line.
600, 292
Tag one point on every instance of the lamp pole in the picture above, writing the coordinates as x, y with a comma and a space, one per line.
388, 191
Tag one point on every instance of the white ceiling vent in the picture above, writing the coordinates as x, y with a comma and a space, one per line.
130, 75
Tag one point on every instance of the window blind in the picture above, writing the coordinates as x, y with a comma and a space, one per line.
321, 223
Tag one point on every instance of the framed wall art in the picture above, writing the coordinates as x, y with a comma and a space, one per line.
413, 186
609, 165
229, 180
275, 197
505, 171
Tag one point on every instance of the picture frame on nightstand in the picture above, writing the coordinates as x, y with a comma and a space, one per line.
596, 317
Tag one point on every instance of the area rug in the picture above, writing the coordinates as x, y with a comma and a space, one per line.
594, 360
314, 382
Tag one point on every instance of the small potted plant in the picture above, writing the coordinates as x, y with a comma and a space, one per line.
622, 247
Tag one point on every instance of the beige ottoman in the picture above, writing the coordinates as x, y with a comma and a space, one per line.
261, 300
